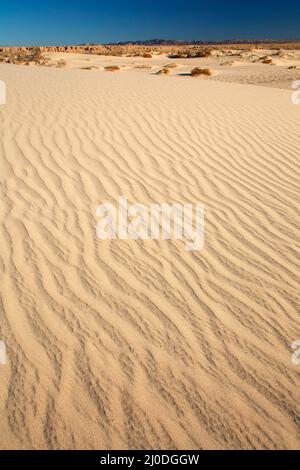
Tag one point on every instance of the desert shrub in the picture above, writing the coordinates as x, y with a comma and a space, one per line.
143, 66
190, 54
90, 67
164, 71
147, 55
111, 68
61, 63
197, 71
201, 53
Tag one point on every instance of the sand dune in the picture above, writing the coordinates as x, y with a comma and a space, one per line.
131, 344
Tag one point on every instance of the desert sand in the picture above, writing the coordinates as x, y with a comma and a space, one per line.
235, 66
141, 344
272, 67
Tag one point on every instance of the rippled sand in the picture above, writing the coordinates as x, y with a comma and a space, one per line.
131, 344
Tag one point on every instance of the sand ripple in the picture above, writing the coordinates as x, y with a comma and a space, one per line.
130, 344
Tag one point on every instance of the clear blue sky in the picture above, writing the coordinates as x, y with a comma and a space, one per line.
94, 21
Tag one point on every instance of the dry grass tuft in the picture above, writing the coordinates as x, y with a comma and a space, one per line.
111, 68
61, 63
143, 66
190, 53
164, 71
91, 67
197, 71
201, 53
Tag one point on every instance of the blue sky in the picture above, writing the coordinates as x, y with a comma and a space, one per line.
80, 21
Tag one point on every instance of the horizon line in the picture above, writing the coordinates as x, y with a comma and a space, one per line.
159, 41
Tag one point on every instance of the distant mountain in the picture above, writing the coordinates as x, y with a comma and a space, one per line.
152, 42
174, 42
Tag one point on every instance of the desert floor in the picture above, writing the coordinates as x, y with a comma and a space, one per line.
141, 344
236, 66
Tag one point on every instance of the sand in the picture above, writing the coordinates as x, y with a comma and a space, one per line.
234, 66
141, 344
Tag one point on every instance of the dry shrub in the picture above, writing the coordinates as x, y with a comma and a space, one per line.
91, 67
147, 55
111, 68
190, 54
143, 66
197, 71
267, 60
164, 71
201, 53
175, 56
61, 63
